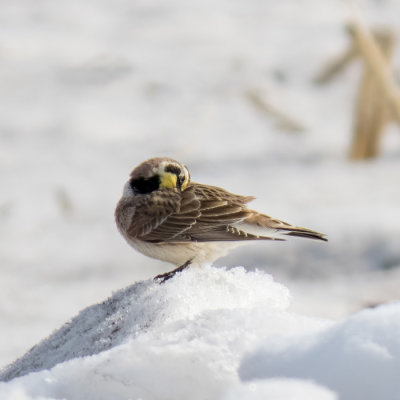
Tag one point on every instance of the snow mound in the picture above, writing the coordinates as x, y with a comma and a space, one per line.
182, 339
146, 306
358, 359
215, 334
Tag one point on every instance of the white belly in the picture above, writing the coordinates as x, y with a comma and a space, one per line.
179, 253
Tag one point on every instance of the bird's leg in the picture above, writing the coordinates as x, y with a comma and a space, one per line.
168, 275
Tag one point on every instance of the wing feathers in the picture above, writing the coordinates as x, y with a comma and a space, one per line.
207, 213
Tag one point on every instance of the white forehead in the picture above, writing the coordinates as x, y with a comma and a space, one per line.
160, 169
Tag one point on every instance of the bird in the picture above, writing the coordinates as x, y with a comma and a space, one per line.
166, 216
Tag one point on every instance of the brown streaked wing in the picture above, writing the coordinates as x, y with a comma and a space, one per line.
206, 214
173, 227
151, 212
219, 209
207, 193
228, 234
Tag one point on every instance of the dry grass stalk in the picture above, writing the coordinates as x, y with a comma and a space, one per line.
333, 68
377, 61
282, 120
378, 96
373, 106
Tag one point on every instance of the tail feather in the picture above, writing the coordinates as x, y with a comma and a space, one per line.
264, 225
305, 233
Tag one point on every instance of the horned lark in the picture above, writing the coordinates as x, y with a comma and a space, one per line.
165, 216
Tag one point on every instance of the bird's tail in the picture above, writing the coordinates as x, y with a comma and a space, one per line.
264, 225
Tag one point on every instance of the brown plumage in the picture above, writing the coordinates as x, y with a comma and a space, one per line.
164, 215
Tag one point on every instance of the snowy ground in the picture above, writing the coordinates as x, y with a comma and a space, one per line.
211, 334
90, 89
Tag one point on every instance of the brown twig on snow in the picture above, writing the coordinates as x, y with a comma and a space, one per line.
282, 120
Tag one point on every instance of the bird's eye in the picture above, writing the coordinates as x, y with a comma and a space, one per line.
145, 185
181, 180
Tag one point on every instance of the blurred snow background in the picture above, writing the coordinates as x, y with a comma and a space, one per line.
89, 89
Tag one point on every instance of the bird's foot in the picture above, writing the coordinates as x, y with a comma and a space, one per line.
168, 275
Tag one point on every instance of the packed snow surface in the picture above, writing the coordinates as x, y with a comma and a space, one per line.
211, 333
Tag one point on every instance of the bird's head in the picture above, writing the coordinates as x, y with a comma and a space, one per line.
158, 173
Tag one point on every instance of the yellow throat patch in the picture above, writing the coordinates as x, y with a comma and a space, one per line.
168, 180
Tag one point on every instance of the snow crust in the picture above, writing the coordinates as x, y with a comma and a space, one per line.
358, 359
181, 339
211, 333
